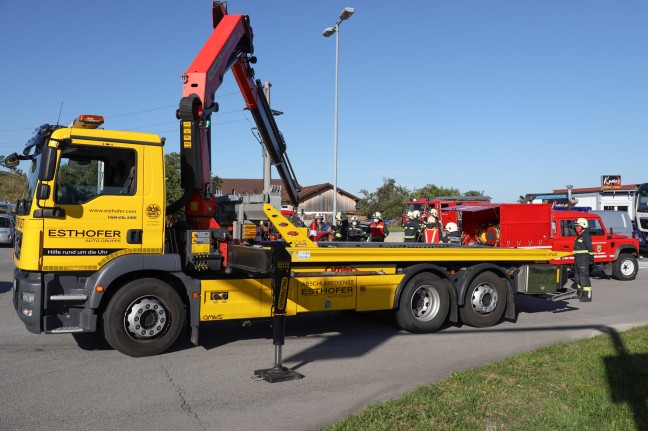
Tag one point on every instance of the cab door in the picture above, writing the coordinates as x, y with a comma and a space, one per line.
564, 240
98, 186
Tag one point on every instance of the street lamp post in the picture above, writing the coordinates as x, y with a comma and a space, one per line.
328, 32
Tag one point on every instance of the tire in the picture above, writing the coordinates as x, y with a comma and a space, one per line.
485, 301
148, 300
424, 304
625, 267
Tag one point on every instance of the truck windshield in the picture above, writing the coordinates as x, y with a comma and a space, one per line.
415, 207
642, 198
30, 188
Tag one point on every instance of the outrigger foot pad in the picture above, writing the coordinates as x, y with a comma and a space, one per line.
278, 374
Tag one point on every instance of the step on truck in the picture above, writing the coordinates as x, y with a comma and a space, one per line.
93, 251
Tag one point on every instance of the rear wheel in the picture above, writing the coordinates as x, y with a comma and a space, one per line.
485, 301
424, 304
144, 318
625, 267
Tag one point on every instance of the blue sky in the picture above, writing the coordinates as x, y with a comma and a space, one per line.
508, 97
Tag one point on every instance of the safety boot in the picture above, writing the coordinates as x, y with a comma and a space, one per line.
586, 296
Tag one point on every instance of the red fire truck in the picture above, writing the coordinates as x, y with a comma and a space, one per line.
425, 205
541, 226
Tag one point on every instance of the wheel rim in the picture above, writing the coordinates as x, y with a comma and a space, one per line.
146, 317
627, 267
484, 298
426, 303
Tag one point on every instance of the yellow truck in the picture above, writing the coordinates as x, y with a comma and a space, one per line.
94, 251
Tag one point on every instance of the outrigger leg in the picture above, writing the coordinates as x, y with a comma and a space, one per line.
280, 282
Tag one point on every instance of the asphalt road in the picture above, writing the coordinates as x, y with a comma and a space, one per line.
349, 360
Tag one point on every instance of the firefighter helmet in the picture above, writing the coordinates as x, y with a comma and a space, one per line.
452, 227
355, 219
376, 215
582, 222
340, 216
431, 219
319, 215
409, 214
434, 213
416, 214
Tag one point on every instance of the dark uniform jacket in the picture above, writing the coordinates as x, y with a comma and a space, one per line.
583, 250
412, 230
356, 233
452, 238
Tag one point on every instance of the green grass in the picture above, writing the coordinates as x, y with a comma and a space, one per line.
599, 383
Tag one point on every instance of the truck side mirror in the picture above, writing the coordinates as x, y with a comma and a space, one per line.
12, 160
48, 164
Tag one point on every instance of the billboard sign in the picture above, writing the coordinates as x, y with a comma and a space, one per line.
611, 182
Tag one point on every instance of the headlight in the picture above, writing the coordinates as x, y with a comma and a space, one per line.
28, 297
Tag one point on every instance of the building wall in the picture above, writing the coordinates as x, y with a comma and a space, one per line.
618, 201
323, 203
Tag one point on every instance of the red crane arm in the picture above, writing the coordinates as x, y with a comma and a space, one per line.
228, 47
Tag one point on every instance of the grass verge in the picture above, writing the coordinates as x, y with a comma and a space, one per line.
600, 383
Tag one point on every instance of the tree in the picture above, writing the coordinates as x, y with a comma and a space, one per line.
432, 191
389, 199
174, 190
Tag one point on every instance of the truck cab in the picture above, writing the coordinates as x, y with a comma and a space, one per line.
616, 254
92, 201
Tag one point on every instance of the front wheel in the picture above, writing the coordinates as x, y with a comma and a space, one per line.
144, 318
485, 301
625, 267
424, 304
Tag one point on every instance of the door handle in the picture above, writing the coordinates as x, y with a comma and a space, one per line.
134, 236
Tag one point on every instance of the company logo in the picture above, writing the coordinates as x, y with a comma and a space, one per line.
611, 182
153, 211
341, 269
283, 295
83, 233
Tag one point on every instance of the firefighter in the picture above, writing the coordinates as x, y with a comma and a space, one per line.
342, 227
319, 229
433, 229
583, 260
412, 229
452, 234
421, 221
378, 229
355, 231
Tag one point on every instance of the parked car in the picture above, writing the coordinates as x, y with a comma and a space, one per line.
7, 229
617, 221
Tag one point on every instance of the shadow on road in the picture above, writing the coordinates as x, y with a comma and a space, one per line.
354, 334
91, 341
5, 286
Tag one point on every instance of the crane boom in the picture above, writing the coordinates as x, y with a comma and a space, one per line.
229, 46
